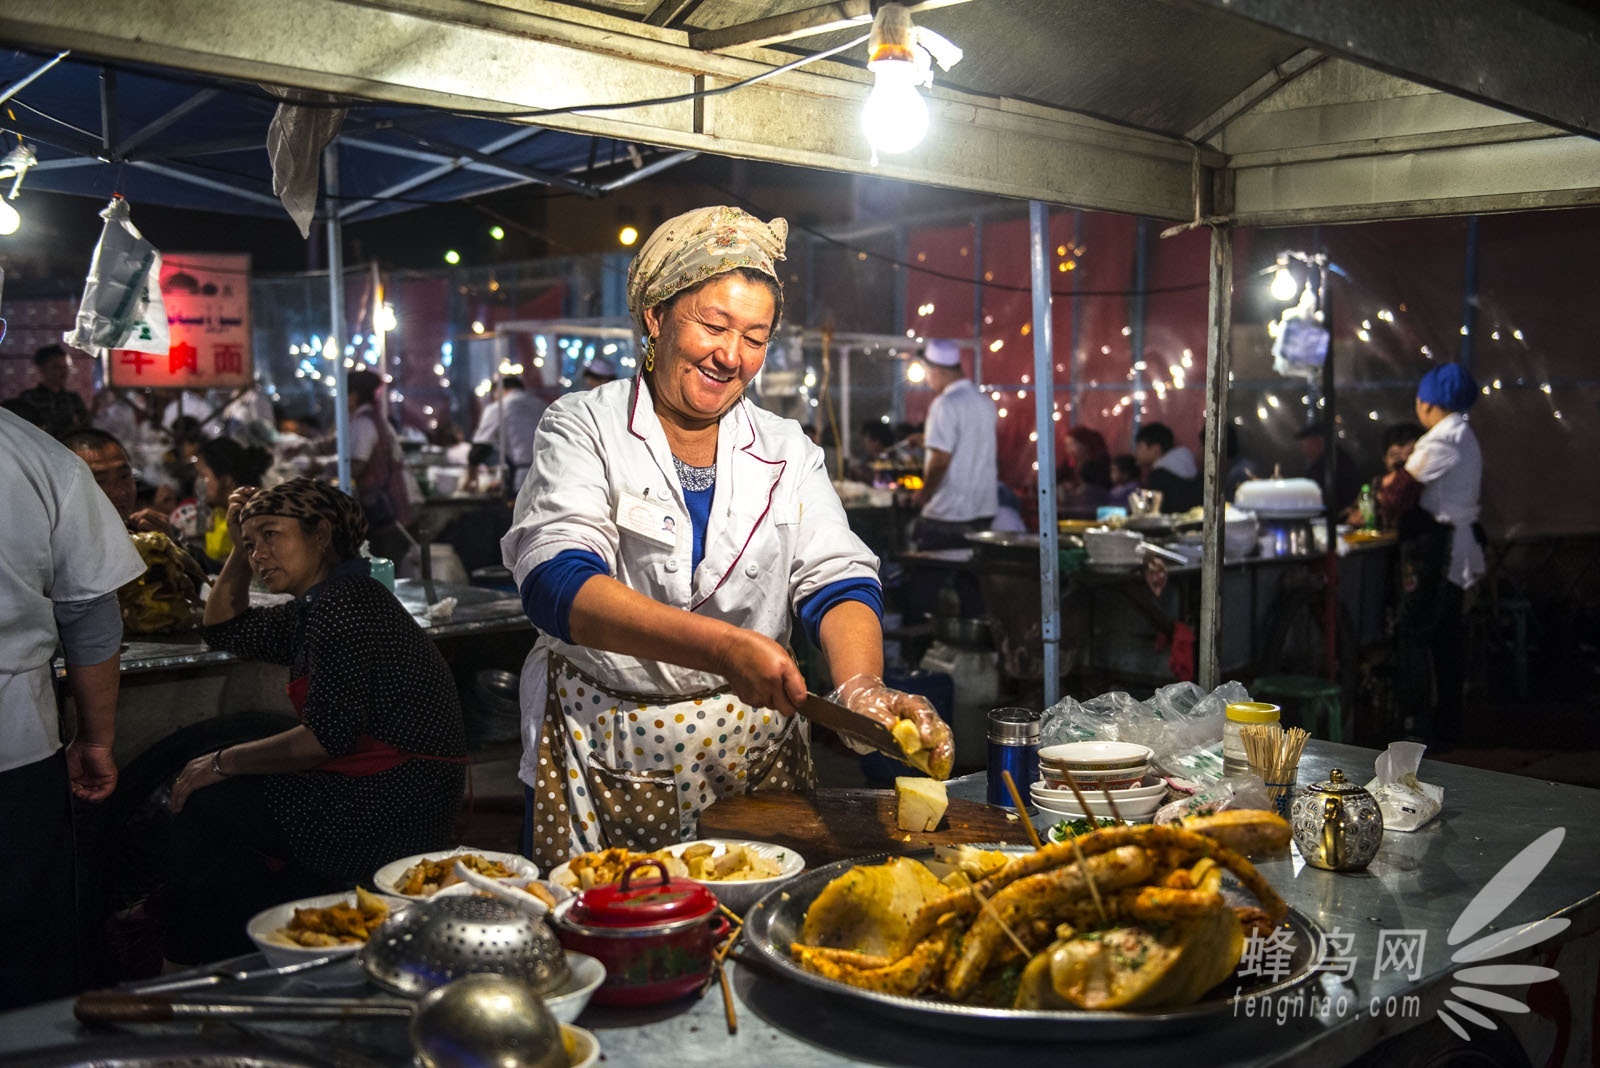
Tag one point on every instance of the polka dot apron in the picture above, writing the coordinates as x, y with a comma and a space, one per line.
635, 770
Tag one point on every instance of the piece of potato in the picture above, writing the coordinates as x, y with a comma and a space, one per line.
869, 909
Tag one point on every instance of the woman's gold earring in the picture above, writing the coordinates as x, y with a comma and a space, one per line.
650, 353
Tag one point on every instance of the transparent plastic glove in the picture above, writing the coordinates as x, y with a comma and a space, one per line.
925, 739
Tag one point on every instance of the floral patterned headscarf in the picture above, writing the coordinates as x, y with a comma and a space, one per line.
307, 498
692, 247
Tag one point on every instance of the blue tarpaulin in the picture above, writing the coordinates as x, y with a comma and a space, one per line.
182, 140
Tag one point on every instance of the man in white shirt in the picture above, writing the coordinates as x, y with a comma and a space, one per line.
1441, 552
64, 555
507, 428
960, 478
378, 468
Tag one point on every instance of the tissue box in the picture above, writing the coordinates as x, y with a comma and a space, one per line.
1406, 802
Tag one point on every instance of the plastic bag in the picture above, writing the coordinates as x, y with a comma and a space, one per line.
1406, 803
1181, 723
122, 306
1245, 792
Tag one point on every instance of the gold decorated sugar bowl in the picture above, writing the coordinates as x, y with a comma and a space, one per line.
1337, 824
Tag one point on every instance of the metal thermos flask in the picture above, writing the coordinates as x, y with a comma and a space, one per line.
1013, 747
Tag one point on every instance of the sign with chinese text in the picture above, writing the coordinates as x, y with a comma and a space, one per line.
208, 315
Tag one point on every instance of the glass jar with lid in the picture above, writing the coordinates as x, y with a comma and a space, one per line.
1240, 714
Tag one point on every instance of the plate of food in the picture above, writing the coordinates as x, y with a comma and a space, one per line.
739, 872
1164, 955
328, 925
422, 876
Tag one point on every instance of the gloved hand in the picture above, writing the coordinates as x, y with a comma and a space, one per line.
925, 739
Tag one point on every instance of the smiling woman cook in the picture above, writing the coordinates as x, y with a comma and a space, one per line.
375, 770
666, 534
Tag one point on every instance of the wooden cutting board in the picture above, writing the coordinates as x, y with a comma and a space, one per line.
834, 824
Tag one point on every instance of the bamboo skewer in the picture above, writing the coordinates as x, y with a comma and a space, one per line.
1110, 803
1083, 864
1274, 753
984, 904
719, 971
1022, 809
727, 999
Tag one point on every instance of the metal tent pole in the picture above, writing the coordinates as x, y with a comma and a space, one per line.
1219, 324
341, 416
380, 336
1044, 392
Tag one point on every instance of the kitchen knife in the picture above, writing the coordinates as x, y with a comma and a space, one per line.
839, 718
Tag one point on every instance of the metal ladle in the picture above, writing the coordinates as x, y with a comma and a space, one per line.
474, 1022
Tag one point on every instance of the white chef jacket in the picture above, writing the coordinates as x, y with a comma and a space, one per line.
63, 542
520, 412
961, 422
1447, 462
603, 480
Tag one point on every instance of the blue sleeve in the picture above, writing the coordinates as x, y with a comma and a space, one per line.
813, 608
549, 589
91, 631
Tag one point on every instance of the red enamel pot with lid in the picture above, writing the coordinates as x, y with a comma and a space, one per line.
654, 935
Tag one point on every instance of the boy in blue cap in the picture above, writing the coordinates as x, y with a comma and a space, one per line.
1435, 497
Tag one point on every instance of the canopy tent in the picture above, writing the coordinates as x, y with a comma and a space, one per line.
193, 141
1285, 112
200, 142
1218, 112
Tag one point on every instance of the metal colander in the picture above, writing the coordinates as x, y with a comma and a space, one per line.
432, 942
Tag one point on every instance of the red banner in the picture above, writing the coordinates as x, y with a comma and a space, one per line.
208, 315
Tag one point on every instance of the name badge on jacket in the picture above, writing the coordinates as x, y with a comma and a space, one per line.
651, 520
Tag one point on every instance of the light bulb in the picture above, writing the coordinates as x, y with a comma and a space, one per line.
9, 219
1284, 287
895, 117
915, 372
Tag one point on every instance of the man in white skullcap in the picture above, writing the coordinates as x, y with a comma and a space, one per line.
960, 479
600, 371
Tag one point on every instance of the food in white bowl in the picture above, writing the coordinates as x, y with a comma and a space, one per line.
549, 893
425, 874
328, 925
737, 871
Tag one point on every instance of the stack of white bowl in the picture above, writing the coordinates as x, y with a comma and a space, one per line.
1118, 770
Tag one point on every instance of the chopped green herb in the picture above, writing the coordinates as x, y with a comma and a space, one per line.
1065, 829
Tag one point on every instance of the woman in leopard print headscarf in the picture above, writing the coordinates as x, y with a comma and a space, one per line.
374, 771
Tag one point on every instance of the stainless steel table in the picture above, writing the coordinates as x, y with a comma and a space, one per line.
1419, 882
170, 682
477, 610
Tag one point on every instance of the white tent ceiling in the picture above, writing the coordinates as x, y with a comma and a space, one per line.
1273, 112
